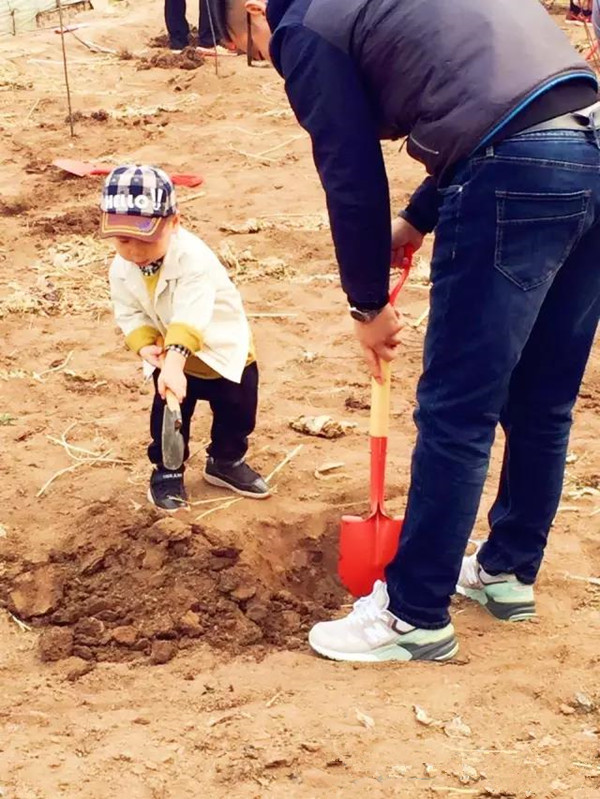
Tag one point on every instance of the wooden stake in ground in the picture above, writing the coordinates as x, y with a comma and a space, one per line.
64, 54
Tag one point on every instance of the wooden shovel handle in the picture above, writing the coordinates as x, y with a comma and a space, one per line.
380, 392
379, 423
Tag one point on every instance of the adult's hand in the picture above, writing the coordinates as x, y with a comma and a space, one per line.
403, 233
379, 339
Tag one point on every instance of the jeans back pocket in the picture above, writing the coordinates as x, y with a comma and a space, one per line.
536, 233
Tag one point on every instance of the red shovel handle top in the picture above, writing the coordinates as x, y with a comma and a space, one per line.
409, 251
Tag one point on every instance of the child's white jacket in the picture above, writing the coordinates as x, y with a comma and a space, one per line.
195, 304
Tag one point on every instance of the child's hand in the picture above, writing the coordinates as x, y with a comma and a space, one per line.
172, 376
174, 379
151, 354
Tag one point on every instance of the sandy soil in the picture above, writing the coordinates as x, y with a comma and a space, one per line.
168, 659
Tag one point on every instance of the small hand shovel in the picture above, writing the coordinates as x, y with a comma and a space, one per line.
173, 447
368, 545
84, 168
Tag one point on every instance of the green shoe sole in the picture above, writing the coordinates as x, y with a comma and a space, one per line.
444, 649
521, 610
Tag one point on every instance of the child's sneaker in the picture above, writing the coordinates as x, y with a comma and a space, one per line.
371, 634
167, 490
236, 476
503, 595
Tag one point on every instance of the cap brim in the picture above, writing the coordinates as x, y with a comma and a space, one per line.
144, 228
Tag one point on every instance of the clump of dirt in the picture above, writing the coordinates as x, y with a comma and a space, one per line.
151, 587
189, 58
16, 206
83, 221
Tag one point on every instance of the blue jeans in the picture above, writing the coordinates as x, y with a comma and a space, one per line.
515, 303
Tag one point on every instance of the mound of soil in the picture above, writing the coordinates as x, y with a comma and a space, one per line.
189, 58
146, 589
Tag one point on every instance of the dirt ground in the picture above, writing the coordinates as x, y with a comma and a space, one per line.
163, 659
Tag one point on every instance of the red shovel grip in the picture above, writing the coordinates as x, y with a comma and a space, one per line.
409, 251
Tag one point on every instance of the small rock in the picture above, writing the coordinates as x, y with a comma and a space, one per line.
141, 720
277, 759
83, 652
559, 785
291, 620
310, 746
548, 742
467, 775
153, 559
583, 703
76, 668
257, 612
169, 529
422, 716
243, 593
430, 771
567, 710
37, 592
160, 626
55, 643
163, 652
90, 631
189, 624
126, 636
457, 728
228, 582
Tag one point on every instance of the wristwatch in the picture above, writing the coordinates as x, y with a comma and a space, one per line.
364, 316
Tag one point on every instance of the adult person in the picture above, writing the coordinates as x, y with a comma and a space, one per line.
179, 29
502, 112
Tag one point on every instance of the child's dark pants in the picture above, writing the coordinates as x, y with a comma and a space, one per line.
233, 406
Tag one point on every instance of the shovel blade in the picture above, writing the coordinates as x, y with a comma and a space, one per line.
172, 440
366, 548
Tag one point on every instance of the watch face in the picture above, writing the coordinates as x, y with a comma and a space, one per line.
362, 316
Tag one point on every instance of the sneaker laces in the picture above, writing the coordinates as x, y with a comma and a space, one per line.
368, 609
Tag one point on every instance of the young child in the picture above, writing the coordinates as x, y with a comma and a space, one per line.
166, 284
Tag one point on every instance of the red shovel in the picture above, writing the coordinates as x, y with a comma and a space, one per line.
85, 168
368, 545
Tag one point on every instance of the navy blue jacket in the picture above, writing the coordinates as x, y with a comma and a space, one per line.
358, 71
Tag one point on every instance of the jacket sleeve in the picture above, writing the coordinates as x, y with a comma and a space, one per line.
137, 327
423, 207
329, 100
193, 306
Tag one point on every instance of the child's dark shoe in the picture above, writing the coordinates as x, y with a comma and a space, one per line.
236, 476
167, 490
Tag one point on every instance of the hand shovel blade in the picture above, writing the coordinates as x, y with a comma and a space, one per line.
366, 548
172, 440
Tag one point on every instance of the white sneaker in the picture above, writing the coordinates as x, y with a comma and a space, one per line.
503, 595
370, 633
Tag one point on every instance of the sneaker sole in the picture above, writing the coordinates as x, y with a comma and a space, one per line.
503, 611
216, 481
165, 510
438, 651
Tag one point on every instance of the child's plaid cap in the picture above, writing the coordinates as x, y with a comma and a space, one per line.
136, 202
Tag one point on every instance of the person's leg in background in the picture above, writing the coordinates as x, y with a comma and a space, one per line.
206, 37
177, 24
